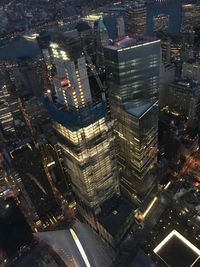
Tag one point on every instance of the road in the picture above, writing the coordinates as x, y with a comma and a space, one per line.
191, 168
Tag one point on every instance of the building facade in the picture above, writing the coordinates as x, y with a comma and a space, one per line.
102, 39
184, 100
6, 114
83, 133
27, 161
136, 17
191, 69
190, 16
132, 66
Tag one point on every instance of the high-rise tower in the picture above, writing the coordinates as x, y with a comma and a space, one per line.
190, 16
132, 66
6, 114
136, 17
38, 185
102, 39
83, 132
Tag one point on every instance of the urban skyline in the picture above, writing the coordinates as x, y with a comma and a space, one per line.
100, 133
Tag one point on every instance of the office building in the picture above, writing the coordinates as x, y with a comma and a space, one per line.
190, 16
8, 185
83, 132
35, 115
114, 18
86, 139
11, 122
184, 100
27, 77
116, 219
70, 76
92, 19
170, 46
167, 76
139, 125
132, 66
168, 12
191, 69
102, 39
120, 26
84, 30
86, 35
188, 45
38, 185
133, 69
136, 19
161, 23
6, 116
177, 140
190, 21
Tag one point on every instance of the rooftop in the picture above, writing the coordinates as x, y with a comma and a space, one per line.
138, 110
187, 83
127, 41
114, 214
93, 17
192, 61
82, 26
141, 259
19, 47
137, 5
175, 250
66, 45
64, 244
68, 118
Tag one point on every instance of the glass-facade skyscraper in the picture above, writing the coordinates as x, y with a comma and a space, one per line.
132, 66
6, 116
83, 132
136, 18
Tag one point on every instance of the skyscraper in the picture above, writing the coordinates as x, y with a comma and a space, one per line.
169, 11
136, 16
70, 82
38, 186
190, 17
120, 26
8, 185
6, 116
191, 69
132, 66
102, 39
161, 23
27, 79
82, 130
190, 21
184, 100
